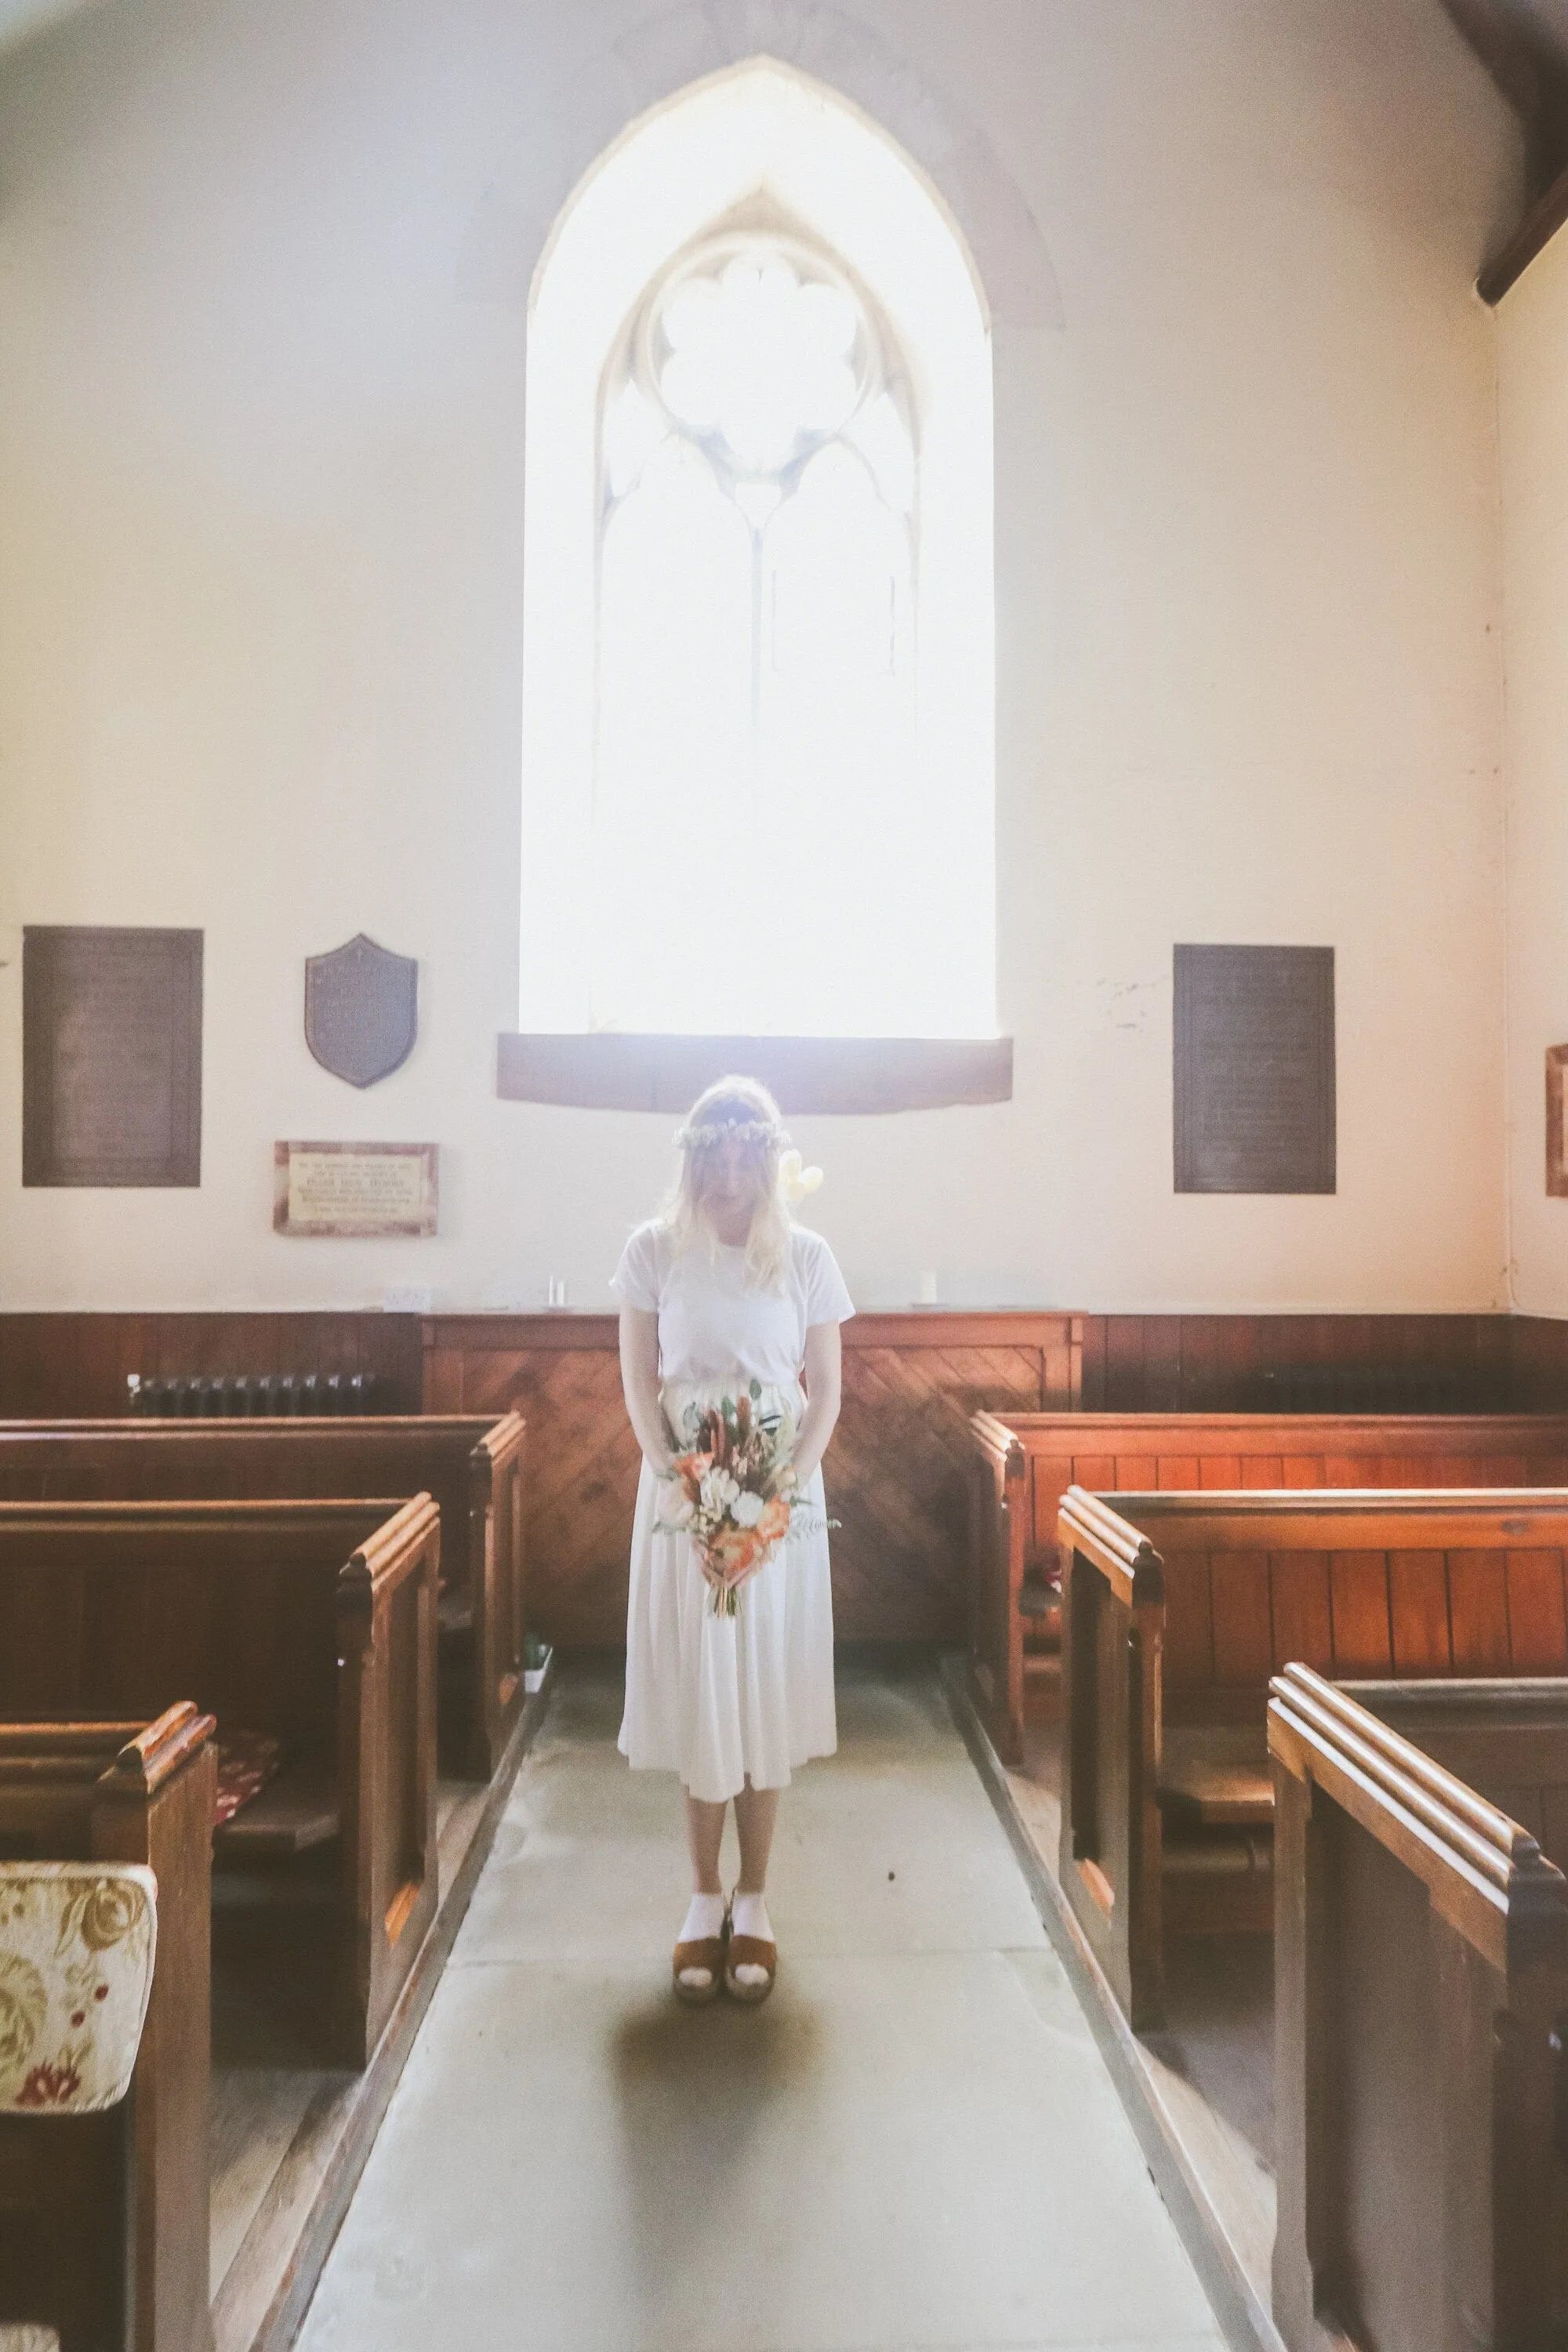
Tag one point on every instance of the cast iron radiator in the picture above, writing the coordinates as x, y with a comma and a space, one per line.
246, 1396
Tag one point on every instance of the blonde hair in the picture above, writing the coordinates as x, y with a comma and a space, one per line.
743, 1109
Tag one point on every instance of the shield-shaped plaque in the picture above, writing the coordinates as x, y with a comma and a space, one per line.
362, 1010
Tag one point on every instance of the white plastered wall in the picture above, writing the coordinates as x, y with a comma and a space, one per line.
263, 278
1533, 378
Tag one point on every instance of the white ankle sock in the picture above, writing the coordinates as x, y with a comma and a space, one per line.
705, 1919
749, 1917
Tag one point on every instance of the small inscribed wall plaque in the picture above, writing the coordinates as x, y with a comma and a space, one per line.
111, 1056
1556, 1138
1254, 1069
348, 1189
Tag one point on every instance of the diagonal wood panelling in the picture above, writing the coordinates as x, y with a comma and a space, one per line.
897, 1477
896, 1472
581, 1483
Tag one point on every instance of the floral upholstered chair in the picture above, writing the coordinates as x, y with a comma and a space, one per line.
76, 1946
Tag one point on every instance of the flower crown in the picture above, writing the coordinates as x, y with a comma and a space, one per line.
743, 1130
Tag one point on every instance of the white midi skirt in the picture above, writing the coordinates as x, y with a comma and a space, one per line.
721, 1700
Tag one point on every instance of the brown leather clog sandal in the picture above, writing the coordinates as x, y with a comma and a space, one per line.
705, 1952
749, 1952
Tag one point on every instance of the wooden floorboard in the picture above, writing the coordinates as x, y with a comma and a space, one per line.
1216, 2188
294, 2215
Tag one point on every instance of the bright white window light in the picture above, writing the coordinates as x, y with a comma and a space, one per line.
758, 762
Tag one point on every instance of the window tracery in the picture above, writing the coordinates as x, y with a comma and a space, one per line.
758, 481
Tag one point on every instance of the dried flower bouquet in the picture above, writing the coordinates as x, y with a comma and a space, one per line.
737, 1495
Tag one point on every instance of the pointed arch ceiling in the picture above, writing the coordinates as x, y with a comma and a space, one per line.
561, 139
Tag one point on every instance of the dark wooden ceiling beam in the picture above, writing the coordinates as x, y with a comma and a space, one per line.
1528, 62
1526, 55
1539, 226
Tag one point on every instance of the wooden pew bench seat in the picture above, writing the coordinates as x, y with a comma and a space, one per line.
1216, 1806
1179, 1606
309, 1622
1218, 1777
471, 1465
1023, 1463
297, 1810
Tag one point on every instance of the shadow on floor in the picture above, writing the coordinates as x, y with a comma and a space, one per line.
695, 2088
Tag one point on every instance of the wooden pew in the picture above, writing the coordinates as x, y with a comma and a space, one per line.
311, 1622
1421, 1971
1178, 1609
470, 1464
118, 1792
1022, 1463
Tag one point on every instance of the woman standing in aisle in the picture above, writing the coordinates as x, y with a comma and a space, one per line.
725, 1297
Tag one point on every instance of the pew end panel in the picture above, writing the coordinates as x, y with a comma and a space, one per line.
998, 1534
1109, 1862
1422, 1997
105, 2234
387, 1766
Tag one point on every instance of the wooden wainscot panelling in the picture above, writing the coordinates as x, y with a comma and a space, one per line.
77, 1363
1307, 1363
1538, 1362
74, 1364
896, 1471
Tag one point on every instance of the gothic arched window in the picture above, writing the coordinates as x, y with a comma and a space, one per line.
758, 663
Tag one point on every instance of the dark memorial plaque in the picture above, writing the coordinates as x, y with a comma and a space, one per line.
111, 1056
362, 1010
1254, 1069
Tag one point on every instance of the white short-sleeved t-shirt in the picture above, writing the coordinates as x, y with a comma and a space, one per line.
711, 1326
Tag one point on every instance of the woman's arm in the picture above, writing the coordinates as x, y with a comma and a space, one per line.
824, 1390
639, 1380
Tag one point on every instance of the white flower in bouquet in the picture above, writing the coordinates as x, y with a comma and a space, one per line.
719, 1490
747, 1509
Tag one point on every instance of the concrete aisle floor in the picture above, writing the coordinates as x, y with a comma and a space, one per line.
914, 2144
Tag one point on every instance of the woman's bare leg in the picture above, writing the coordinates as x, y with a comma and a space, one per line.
705, 1835
756, 1811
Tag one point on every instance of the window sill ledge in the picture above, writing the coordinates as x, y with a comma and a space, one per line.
610, 1071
